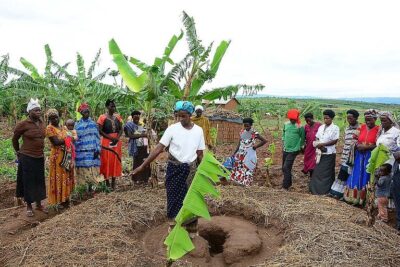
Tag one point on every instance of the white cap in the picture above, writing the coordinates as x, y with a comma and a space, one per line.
199, 107
33, 103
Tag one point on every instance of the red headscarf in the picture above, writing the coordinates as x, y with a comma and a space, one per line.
83, 106
294, 114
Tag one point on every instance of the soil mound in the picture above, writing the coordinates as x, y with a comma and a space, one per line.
109, 230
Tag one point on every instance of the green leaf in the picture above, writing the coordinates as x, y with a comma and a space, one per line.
178, 243
78, 114
194, 204
81, 69
29, 66
219, 54
93, 65
49, 59
379, 156
132, 81
142, 66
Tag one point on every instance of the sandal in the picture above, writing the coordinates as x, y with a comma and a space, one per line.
42, 209
29, 213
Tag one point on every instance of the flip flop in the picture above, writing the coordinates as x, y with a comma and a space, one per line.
29, 213
43, 209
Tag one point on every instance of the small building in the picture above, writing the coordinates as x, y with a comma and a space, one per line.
228, 104
227, 123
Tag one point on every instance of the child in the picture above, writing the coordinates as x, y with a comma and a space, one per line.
69, 153
383, 190
70, 128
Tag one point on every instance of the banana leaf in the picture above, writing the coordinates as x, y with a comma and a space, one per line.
133, 82
194, 205
378, 157
29, 66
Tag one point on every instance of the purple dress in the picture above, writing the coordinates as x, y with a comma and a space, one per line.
309, 151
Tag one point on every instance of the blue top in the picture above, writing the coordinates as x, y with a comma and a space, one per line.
87, 144
383, 186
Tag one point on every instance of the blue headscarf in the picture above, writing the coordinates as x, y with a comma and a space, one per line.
185, 106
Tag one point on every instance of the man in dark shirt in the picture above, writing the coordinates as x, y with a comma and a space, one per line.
30, 177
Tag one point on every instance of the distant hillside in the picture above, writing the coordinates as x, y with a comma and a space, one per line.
380, 100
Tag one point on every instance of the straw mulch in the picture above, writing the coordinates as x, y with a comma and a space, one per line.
107, 230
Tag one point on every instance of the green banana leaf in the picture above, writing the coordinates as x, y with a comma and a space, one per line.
77, 113
133, 82
194, 205
219, 54
29, 66
378, 157
180, 242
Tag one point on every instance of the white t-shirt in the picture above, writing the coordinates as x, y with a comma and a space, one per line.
328, 134
183, 143
391, 139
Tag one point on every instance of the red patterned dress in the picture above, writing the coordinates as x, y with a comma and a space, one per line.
241, 173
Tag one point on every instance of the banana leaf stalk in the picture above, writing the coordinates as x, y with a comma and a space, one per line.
378, 157
194, 205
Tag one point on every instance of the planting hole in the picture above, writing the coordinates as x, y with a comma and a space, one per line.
216, 240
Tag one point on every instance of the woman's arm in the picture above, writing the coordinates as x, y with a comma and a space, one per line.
261, 143
55, 141
153, 155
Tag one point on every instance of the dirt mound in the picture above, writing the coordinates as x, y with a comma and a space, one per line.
223, 241
109, 230
7, 193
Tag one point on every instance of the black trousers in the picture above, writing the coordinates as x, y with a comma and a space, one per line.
287, 165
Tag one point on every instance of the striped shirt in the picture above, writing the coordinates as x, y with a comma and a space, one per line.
87, 144
350, 138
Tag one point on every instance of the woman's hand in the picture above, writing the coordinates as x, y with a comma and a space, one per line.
321, 145
137, 170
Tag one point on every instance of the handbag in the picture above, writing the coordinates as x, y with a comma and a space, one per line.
228, 163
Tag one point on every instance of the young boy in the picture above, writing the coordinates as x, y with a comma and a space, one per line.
383, 190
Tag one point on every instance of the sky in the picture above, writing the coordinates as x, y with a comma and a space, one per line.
295, 48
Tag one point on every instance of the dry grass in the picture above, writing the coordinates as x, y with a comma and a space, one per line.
107, 230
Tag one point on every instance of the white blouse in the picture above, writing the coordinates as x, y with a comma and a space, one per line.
327, 134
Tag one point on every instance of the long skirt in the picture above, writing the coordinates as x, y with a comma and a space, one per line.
110, 158
142, 177
309, 159
30, 179
339, 185
355, 191
87, 175
323, 175
177, 182
61, 181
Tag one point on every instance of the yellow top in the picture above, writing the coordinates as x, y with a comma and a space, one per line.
204, 123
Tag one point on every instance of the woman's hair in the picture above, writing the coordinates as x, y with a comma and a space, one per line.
330, 113
135, 112
353, 112
248, 120
109, 102
309, 115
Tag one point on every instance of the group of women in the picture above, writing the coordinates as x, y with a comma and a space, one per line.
72, 161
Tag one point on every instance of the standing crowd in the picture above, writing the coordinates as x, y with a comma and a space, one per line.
318, 142
88, 151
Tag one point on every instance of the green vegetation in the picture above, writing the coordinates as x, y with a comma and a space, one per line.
8, 170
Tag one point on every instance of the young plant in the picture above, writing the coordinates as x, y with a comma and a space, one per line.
268, 162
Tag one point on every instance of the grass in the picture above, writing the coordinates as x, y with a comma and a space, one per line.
8, 168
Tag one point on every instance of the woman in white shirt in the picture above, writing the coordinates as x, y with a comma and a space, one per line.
186, 145
326, 139
389, 135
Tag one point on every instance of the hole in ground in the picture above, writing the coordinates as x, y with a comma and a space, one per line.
223, 241
216, 240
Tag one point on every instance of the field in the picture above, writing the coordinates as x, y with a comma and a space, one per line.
127, 227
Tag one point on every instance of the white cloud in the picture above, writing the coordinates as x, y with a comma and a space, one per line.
315, 48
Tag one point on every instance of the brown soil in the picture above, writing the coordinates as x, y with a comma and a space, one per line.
7, 194
223, 241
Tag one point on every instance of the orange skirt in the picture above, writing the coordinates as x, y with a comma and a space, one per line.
110, 158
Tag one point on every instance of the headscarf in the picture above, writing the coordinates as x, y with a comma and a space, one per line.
372, 113
185, 106
199, 107
52, 112
33, 103
390, 117
83, 107
294, 114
